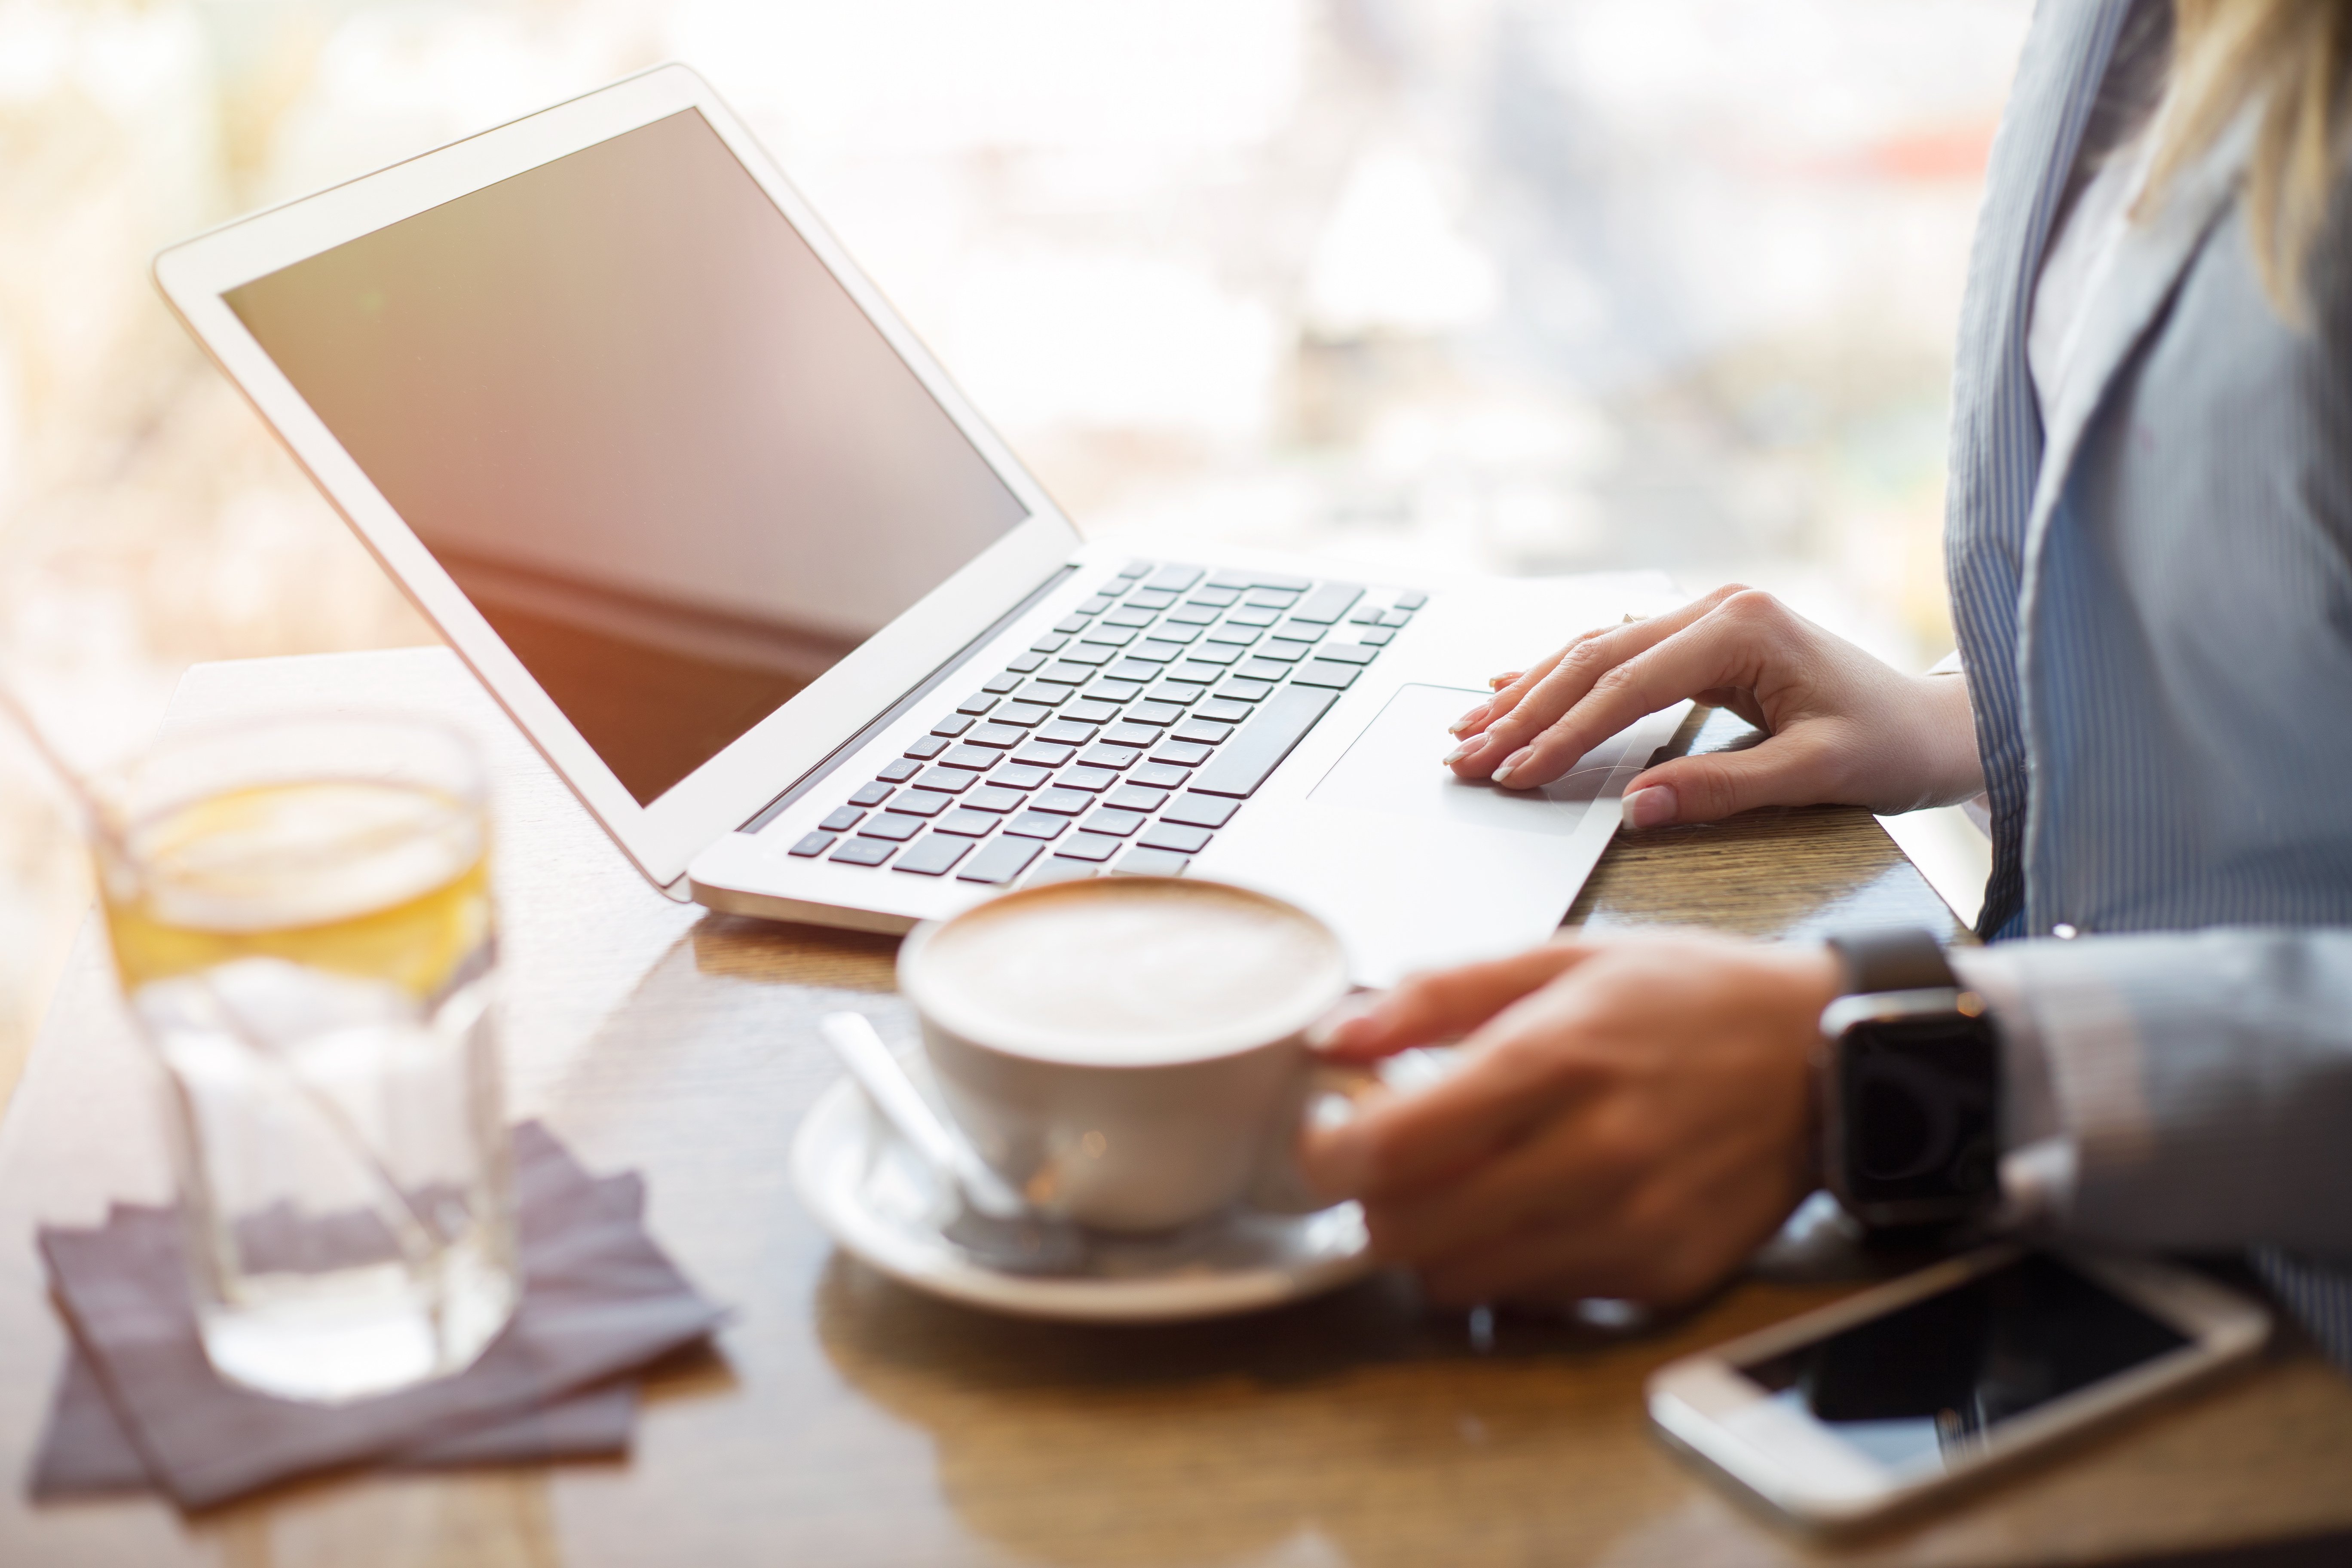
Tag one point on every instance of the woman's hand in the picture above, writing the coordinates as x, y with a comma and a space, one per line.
1841, 726
1633, 1118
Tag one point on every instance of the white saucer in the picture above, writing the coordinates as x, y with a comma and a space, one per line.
884, 1206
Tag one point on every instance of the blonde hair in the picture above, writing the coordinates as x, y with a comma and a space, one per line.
2288, 56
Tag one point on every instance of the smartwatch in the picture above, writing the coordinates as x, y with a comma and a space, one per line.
1909, 1080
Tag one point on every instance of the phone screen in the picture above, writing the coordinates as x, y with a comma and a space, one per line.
1928, 1381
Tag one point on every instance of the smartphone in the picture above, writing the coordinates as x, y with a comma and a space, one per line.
1851, 1413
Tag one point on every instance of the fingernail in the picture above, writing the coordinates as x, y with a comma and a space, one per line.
1502, 775
1468, 719
1460, 751
1650, 807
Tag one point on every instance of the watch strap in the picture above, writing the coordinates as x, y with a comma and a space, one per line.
1894, 958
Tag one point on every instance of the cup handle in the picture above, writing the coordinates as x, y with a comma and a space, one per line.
1327, 1094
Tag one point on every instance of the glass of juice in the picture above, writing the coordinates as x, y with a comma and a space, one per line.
301, 920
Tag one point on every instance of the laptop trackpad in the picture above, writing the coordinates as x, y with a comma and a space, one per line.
1392, 767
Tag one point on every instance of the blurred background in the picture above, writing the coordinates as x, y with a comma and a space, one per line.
1522, 286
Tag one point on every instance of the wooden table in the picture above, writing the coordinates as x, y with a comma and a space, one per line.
846, 1420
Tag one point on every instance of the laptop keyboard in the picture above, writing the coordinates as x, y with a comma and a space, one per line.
1125, 738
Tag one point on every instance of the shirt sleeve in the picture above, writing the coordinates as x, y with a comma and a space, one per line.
2178, 1091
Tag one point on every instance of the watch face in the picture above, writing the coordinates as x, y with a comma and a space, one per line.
1921, 1099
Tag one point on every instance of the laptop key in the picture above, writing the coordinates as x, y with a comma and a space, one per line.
1130, 734
1134, 669
1026, 715
1151, 598
1230, 578
1269, 599
1063, 802
978, 703
1135, 568
1203, 730
1246, 760
1135, 797
1280, 650
1056, 870
1004, 683
1036, 825
1067, 732
1366, 616
1249, 616
1073, 624
1153, 650
966, 823
1094, 780
1119, 824
1182, 693
1105, 756
1375, 636
1326, 672
926, 748
1235, 636
1192, 613
1110, 636
1001, 861
1327, 603
1068, 672
842, 821
945, 781
1174, 577
1042, 694
1129, 616
978, 758
1155, 713
1098, 604
1045, 755
1090, 847
1020, 775
1088, 653
895, 826
1182, 753
1176, 633
1175, 838
897, 772
1159, 775
1204, 668
873, 793
1091, 710
1224, 711
1026, 663
1411, 599
1262, 670
1114, 690
1201, 810
1149, 863
934, 857
1240, 688
863, 852
1395, 619
990, 798
1347, 652
999, 737
1296, 630
919, 801
1052, 642
813, 845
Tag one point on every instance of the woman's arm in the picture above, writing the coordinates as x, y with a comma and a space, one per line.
1841, 727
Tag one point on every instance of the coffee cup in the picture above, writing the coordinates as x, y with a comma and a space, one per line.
1129, 1052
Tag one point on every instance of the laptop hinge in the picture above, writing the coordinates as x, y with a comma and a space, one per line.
898, 710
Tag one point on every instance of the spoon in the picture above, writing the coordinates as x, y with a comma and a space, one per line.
993, 1223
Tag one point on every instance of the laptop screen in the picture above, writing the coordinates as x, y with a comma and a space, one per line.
654, 440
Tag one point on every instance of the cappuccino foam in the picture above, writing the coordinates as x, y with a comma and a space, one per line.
1128, 972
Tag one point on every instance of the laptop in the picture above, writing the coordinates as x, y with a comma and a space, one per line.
616, 410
